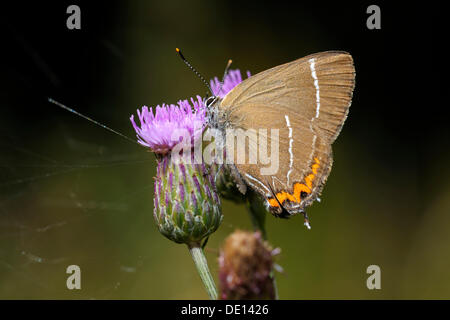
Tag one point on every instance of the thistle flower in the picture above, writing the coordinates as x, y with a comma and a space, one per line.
158, 131
245, 267
186, 205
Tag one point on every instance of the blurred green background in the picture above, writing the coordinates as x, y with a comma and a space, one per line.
74, 193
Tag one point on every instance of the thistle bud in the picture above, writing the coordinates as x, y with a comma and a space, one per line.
226, 185
186, 205
245, 267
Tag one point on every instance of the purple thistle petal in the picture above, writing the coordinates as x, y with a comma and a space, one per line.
165, 163
183, 172
207, 192
167, 199
181, 188
212, 181
197, 184
216, 198
194, 199
156, 128
204, 170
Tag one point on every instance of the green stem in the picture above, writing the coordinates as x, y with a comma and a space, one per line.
202, 267
275, 288
257, 213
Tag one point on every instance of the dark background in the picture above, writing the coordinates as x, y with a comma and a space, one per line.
74, 193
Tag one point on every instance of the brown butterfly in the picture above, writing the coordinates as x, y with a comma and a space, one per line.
307, 101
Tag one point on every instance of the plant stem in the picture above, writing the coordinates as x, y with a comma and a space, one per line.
257, 213
202, 267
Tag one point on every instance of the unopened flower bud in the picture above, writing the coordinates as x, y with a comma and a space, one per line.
186, 205
245, 267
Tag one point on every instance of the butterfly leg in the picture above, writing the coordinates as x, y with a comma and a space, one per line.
306, 223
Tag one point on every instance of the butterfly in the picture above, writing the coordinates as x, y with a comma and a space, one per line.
307, 102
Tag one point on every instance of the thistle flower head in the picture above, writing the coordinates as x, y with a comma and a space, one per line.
245, 267
232, 79
160, 130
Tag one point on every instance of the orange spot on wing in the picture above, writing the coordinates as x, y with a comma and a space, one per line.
298, 188
281, 196
273, 202
309, 179
315, 167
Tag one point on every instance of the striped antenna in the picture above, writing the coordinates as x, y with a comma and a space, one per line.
194, 70
224, 75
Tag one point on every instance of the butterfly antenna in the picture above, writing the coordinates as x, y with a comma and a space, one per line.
224, 75
90, 119
194, 70
215, 98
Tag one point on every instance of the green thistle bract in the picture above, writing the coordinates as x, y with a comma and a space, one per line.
186, 205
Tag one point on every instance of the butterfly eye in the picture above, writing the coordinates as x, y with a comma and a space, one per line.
210, 101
